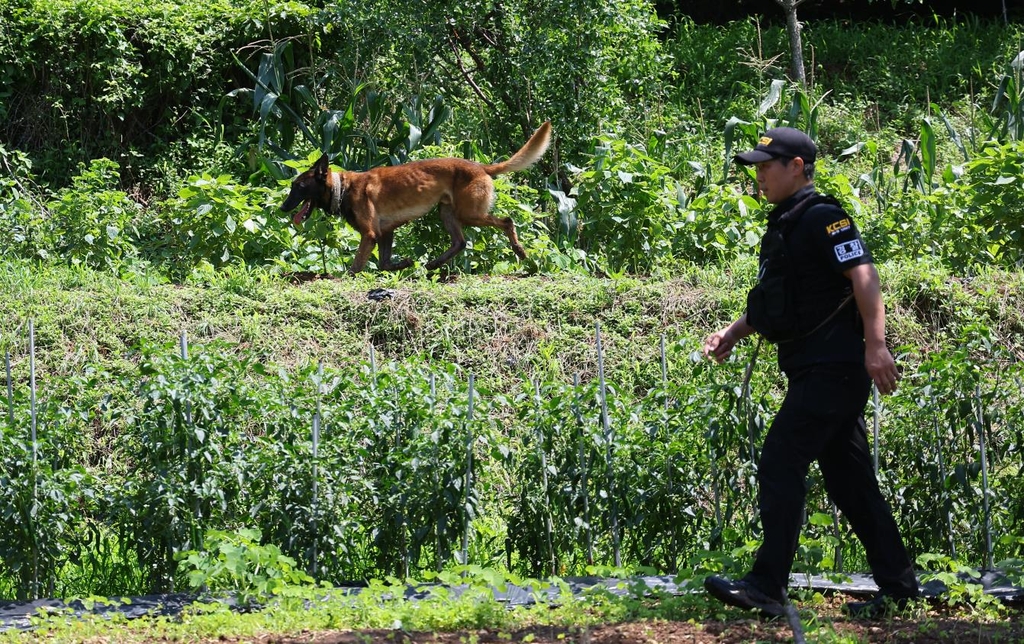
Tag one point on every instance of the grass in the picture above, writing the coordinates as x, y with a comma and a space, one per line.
500, 328
495, 327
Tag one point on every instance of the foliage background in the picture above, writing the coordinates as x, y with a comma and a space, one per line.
144, 152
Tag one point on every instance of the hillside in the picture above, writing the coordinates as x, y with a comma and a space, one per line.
502, 328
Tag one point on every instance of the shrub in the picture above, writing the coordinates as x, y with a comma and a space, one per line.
217, 222
92, 222
238, 562
21, 211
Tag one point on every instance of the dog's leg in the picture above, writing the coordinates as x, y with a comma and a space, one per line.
506, 224
451, 224
367, 241
475, 211
384, 245
509, 227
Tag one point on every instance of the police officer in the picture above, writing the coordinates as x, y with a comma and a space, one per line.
818, 297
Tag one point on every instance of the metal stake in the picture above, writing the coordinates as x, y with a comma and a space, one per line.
877, 412
316, 456
606, 424
35, 450
984, 478
10, 390
584, 469
548, 528
469, 473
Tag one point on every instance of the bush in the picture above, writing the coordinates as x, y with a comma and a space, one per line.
92, 222
125, 80
218, 222
21, 213
238, 562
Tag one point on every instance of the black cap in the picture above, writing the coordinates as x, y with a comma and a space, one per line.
780, 142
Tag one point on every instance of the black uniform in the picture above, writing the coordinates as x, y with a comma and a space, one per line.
822, 416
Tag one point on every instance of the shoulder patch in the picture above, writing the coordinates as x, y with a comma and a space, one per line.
837, 227
849, 250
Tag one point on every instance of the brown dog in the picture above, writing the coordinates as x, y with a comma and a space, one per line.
380, 200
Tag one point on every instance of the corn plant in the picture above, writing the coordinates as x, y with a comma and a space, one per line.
1006, 121
367, 132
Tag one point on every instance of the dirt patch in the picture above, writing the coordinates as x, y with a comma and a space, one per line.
742, 631
302, 277
828, 625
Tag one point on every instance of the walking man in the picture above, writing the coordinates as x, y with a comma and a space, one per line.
818, 298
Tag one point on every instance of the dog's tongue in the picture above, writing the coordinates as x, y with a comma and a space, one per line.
302, 213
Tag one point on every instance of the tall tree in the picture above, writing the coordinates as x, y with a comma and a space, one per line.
796, 47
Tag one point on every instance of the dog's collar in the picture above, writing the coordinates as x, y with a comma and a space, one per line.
337, 192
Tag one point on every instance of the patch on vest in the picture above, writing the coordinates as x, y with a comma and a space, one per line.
849, 250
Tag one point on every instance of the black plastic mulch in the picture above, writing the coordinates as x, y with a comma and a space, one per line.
18, 614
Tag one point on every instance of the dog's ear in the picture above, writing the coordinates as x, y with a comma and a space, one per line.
322, 167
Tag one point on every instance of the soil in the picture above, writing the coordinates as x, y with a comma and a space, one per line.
929, 628
301, 277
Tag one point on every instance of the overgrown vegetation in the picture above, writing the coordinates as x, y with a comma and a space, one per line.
208, 418
643, 131
311, 413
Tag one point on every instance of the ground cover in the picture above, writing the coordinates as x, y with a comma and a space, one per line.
944, 630
665, 620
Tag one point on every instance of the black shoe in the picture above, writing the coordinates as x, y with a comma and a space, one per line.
881, 606
743, 594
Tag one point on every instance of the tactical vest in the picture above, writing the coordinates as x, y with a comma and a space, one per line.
773, 304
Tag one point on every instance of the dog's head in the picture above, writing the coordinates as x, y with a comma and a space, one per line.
312, 189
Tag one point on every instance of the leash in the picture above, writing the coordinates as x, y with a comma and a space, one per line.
793, 618
749, 371
745, 393
831, 316
745, 387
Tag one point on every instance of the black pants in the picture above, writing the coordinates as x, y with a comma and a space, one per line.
822, 419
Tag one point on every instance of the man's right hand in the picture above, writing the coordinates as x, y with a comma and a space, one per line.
718, 346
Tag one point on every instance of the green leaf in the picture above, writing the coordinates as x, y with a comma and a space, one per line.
773, 97
852, 150
820, 519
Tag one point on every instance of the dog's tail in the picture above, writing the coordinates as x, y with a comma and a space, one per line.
527, 155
